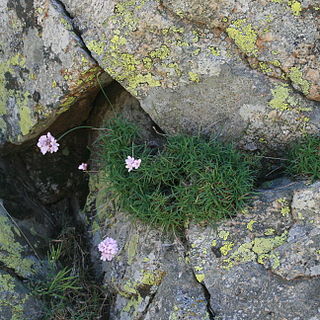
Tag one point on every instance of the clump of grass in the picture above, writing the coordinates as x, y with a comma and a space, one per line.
189, 178
304, 158
64, 281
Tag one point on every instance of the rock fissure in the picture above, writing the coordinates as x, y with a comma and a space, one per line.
211, 313
61, 6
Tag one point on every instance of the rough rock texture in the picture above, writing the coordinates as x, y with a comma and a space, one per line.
17, 261
227, 67
149, 278
44, 68
263, 264
15, 300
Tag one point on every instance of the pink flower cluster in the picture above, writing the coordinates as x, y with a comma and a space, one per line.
132, 163
47, 143
83, 166
108, 248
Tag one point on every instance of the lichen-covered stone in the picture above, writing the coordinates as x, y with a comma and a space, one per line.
13, 246
264, 264
191, 65
149, 276
44, 67
15, 301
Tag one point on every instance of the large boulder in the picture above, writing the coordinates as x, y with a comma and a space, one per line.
233, 68
44, 68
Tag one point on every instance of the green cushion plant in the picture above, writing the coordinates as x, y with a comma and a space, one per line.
188, 178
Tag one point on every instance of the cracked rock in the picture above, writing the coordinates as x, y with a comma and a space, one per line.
229, 68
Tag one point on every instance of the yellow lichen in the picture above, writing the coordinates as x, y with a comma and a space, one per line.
147, 62
285, 211
223, 234
200, 277
134, 303
244, 36
295, 7
10, 299
250, 225
269, 232
97, 47
11, 251
214, 51
152, 278
260, 249
265, 245
226, 248
132, 247
264, 67
162, 53
26, 122
196, 52
193, 76
280, 95
295, 75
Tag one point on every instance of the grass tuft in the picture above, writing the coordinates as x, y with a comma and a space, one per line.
65, 284
304, 158
189, 178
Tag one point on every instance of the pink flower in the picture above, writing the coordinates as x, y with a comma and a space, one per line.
132, 163
47, 143
83, 166
108, 248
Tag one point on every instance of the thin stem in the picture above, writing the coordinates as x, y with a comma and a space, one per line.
104, 93
80, 127
284, 159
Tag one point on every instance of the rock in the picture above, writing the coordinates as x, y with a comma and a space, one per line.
263, 264
15, 251
221, 68
290, 52
149, 276
19, 243
44, 68
16, 303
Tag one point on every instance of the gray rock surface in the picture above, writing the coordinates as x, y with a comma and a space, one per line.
44, 68
263, 264
229, 68
18, 259
149, 277
16, 303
